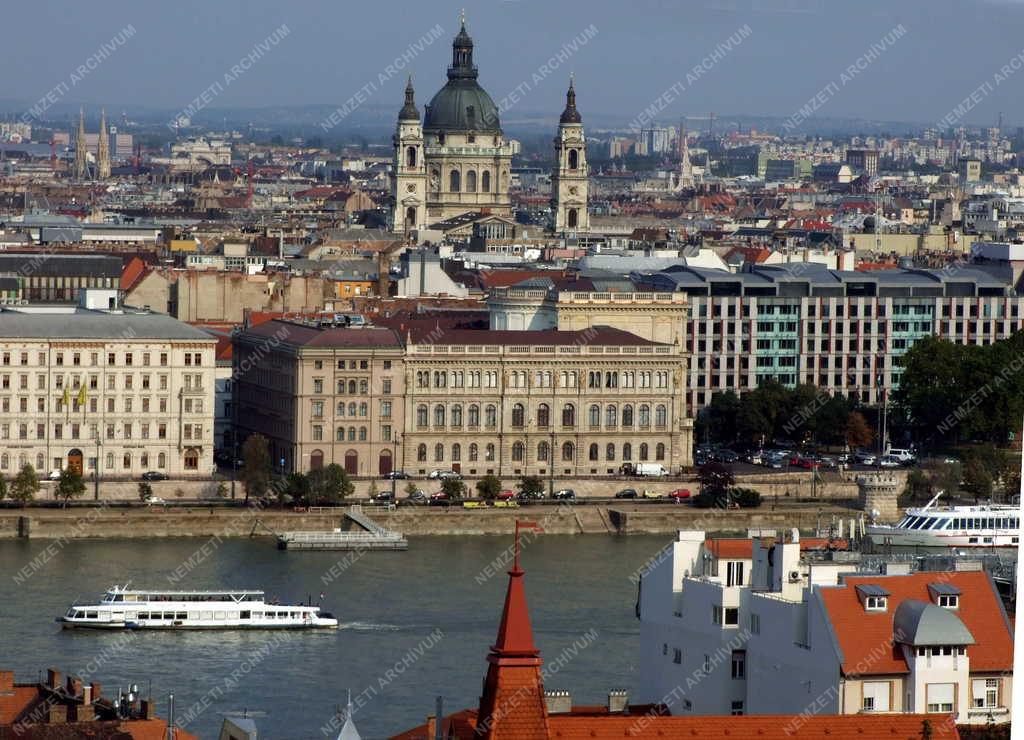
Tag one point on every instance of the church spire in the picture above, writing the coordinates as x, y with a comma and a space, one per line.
103, 150
570, 114
79, 171
409, 111
462, 54
513, 679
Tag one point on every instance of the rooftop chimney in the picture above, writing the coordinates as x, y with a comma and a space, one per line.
618, 702
57, 715
74, 686
148, 711
558, 702
95, 691
6, 681
53, 678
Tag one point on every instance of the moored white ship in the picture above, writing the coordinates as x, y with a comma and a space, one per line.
124, 608
986, 525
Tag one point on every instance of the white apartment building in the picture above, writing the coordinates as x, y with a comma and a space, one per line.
753, 627
124, 391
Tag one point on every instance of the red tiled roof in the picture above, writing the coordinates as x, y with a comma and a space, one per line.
861, 633
733, 548
309, 336
643, 725
132, 272
504, 278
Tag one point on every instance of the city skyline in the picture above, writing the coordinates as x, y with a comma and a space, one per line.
730, 57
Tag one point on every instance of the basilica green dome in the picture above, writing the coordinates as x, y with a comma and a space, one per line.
462, 105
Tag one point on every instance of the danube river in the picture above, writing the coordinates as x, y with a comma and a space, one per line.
415, 624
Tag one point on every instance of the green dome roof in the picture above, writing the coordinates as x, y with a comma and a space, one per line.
462, 105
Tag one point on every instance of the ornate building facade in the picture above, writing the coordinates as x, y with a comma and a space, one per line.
458, 160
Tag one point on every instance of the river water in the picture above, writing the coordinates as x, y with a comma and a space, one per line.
415, 624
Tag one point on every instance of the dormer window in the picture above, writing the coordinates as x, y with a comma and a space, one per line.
874, 598
876, 603
945, 595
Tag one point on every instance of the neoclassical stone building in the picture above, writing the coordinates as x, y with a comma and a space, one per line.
458, 161
550, 403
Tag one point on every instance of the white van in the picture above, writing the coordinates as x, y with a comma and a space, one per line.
655, 470
905, 456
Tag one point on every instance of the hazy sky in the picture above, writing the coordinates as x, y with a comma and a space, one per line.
795, 48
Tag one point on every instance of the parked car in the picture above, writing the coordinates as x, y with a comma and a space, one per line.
384, 497
754, 457
826, 461
903, 455
506, 495
864, 458
523, 496
798, 461
155, 500
774, 461
439, 499
54, 475
888, 461
151, 475
438, 474
419, 496
626, 493
565, 494
652, 494
397, 475
680, 495
725, 456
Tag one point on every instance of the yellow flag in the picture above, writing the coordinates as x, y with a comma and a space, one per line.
67, 395
81, 397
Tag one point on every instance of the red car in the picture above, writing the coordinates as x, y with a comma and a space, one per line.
439, 499
679, 495
801, 462
506, 495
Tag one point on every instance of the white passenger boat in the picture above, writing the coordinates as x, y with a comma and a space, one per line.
124, 608
988, 525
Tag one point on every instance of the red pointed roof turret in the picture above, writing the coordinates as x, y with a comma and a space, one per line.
512, 704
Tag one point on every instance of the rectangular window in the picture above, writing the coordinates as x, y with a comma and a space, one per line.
940, 697
739, 664
677, 656
734, 573
985, 693
737, 709
732, 616
875, 696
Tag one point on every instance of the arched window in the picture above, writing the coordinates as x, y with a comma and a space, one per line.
440, 379
592, 452
339, 434
609, 452
659, 452
438, 452
660, 416
352, 408
568, 415
543, 415
439, 416
126, 462
474, 452
456, 452
341, 408
453, 181
517, 452
362, 434
489, 453
316, 460
351, 434
645, 415
573, 218
543, 452
627, 415
457, 415
595, 416
611, 416
351, 387
518, 415
421, 453
5, 461
471, 181
485, 181
110, 460
410, 217
161, 460
474, 415
574, 159
41, 461
363, 409
568, 452
410, 156
491, 417
627, 451
643, 451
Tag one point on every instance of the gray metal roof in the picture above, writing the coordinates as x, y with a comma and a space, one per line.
84, 324
920, 623
47, 264
944, 589
871, 589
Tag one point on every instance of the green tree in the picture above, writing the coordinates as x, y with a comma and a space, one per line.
145, 490
3, 488
25, 485
297, 486
932, 384
919, 485
454, 487
373, 491
746, 498
718, 420
256, 466
530, 486
977, 479
716, 483
410, 488
69, 486
330, 485
488, 487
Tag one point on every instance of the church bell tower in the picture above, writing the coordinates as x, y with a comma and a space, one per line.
569, 178
409, 170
